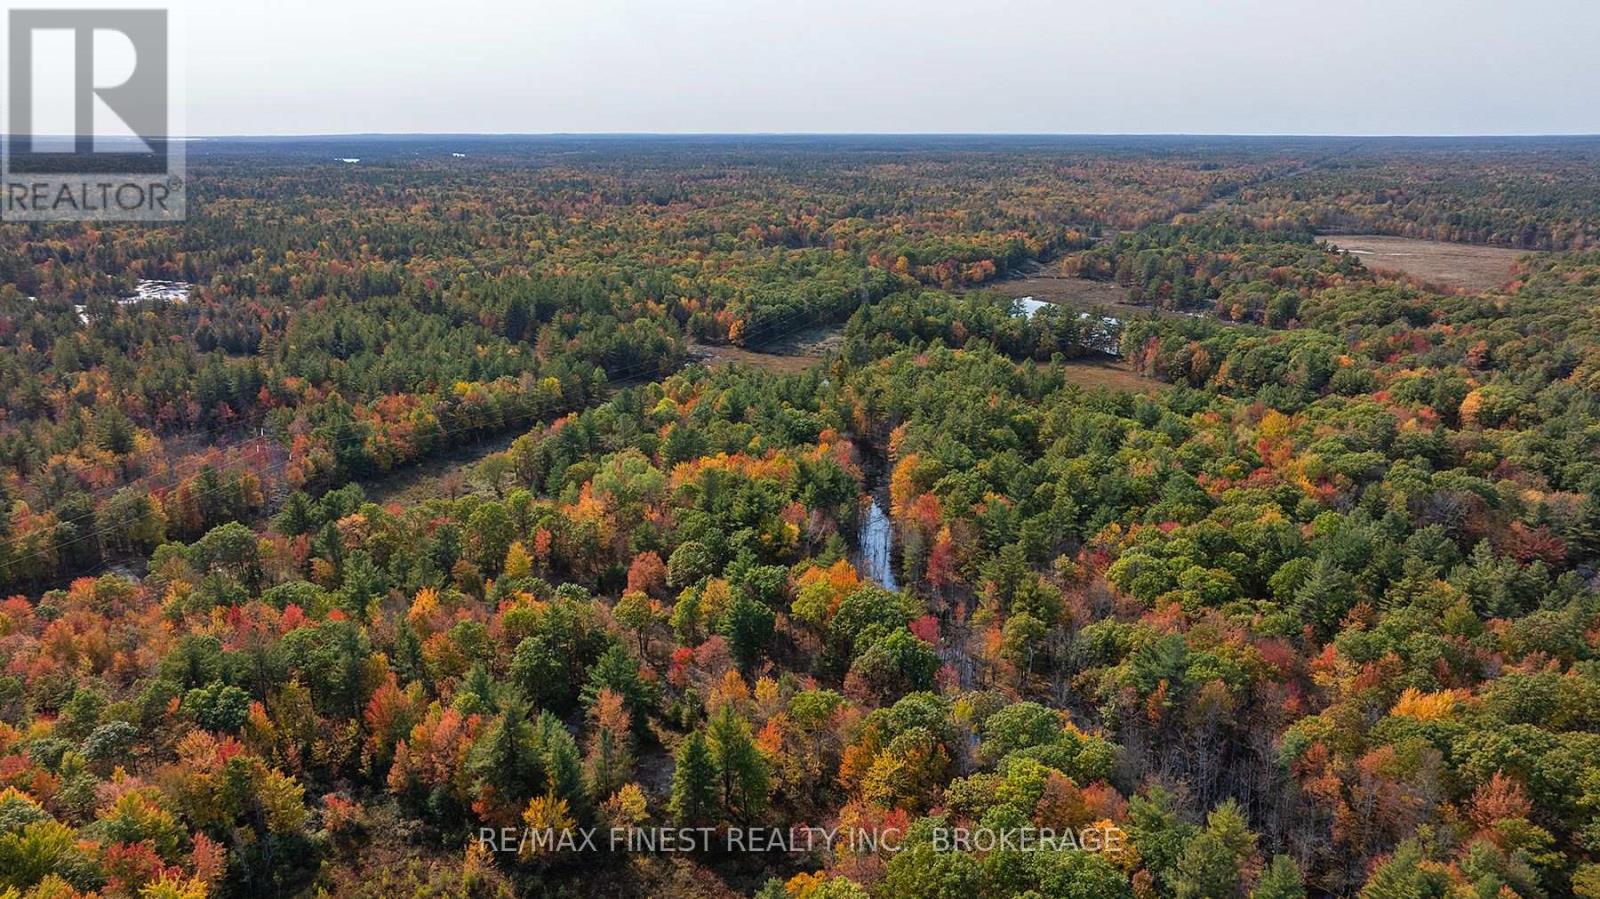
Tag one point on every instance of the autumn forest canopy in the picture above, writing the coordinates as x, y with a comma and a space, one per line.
453, 483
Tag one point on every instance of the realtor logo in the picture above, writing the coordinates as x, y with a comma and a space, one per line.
89, 131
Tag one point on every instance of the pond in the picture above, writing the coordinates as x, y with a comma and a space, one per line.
1106, 338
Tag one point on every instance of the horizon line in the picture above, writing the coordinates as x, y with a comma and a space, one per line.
748, 134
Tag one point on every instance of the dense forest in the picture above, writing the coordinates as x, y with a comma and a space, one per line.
1304, 604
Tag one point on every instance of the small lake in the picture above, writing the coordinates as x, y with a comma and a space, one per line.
1107, 341
1027, 306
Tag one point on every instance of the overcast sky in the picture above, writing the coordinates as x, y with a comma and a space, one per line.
1034, 66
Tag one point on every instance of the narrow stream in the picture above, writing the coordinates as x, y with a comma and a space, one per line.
876, 539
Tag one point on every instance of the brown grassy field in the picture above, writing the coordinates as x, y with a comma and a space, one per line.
1113, 374
1454, 266
795, 353
1045, 284
714, 356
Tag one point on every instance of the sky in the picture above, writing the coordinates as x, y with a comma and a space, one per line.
892, 66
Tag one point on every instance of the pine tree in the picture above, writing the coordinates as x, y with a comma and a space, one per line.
563, 769
605, 771
1281, 880
363, 583
1161, 836
1213, 863
296, 517
618, 671
505, 759
748, 626
740, 767
610, 761
1406, 875
1326, 595
478, 693
694, 782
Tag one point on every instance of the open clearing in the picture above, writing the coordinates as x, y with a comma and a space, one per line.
1044, 283
713, 356
1112, 374
1456, 266
1081, 293
444, 474
790, 355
